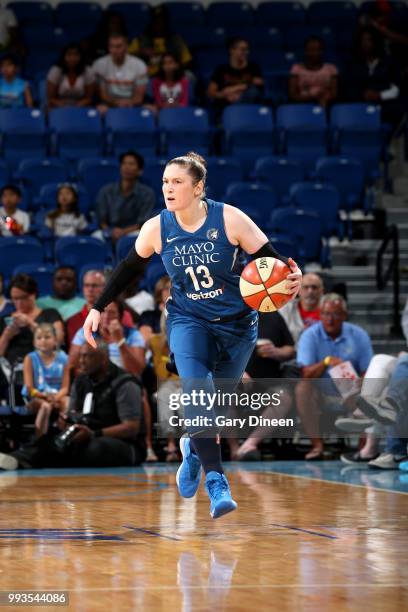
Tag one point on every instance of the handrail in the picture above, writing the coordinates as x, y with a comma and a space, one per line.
393, 271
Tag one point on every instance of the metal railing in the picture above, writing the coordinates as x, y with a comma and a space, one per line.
392, 271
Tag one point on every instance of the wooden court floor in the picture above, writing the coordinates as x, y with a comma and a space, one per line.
124, 540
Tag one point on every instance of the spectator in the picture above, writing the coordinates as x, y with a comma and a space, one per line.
96, 45
66, 220
16, 333
8, 29
110, 435
92, 286
304, 312
158, 40
404, 321
46, 377
123, 207
70, 82
170, 86
64, 298
239, 81
6, 306
13, 221
121, 78
14, 91
126, 344
149, 322
313, 80
326, 344
275, 346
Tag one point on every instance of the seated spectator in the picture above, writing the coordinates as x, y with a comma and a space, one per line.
326, 344
14, 91
8, 30
170, 86
121, 78
239, 81
123, 207
111, 434
97, 44
371, 77
70, 82
274, 347
6, 306
313, 80
149, 322
66, 220
158, 40
13, 221
46, 377
126, 344
305, 311
93, 284
64, 298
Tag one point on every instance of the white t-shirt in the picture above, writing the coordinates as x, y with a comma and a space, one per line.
66, 224
120, 81
20, 216
7, 20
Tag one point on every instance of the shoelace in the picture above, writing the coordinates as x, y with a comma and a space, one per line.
217, 486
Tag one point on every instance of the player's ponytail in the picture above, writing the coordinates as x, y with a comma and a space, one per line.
195, 164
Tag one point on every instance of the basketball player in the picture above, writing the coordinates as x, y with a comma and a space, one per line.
211, 332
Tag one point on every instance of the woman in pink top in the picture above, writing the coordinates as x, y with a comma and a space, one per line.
170, 87
313, 81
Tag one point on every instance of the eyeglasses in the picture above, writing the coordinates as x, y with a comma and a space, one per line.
336, 316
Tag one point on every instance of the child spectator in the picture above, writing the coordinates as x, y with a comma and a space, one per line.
13, 221
66, 220
313, 80
46, 377
14, 91
70, 82
170, 87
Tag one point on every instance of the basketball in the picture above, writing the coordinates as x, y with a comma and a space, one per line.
263, 284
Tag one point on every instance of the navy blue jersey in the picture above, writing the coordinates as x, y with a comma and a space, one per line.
204, 267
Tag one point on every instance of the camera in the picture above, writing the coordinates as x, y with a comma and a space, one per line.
64, 439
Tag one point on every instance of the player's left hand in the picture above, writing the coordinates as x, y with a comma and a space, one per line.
295, 278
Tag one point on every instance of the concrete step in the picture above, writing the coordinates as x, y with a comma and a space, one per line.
374, 299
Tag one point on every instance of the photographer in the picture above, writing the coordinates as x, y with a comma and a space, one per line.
103, 425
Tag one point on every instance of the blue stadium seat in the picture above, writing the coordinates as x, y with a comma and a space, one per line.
34, 173
73, 251
221, 172
77, 132
304, 228
4, 172
287, 246
32, 12
203, 37
154, 271
18, 250
302, 132
229, 13
296, 36
280, 173
41, 273
76, 32
24, 133
131, 128
77, 12
348, 176
45, 36
324, 200
47, 198
182, 13
136, 14
94, 173
153, 175
123, 246
280, 14
207, 60
183, 129
257, 201
335, 12
248, 131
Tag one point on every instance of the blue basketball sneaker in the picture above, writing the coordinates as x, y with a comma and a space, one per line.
188, 475
219, 493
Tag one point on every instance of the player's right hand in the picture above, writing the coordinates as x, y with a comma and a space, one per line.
91, 325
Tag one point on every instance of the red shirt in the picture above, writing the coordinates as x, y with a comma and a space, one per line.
309, 317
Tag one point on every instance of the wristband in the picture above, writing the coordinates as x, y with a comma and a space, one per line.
34, 392
121, 342
326, 361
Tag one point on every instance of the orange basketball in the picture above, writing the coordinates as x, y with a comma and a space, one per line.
263, 284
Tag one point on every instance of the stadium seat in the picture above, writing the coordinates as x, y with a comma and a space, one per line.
18, 250
280, 13
73, 251
24, 133
304, 228
4, 173
183, 129
248, 130
229, 13
185, 13
32, 12
296, 36
41, 273
47, 198
44, 36
123, 246
280, 173
324, 200
34, 173
207, 60
77, 12
347, 175
153, 176
154, 271
131, 128
257, 201
337, 12
302, 132
136, 14
285, 245
221, 172
76, 132
94, 173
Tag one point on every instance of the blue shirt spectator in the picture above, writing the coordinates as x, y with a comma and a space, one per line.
14, 91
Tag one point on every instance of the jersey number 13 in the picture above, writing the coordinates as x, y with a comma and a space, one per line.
205, 279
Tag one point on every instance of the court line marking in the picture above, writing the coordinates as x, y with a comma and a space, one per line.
170, 587
316, 533
153, 533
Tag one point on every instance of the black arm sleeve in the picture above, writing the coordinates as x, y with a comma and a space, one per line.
267, 250
129, 268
